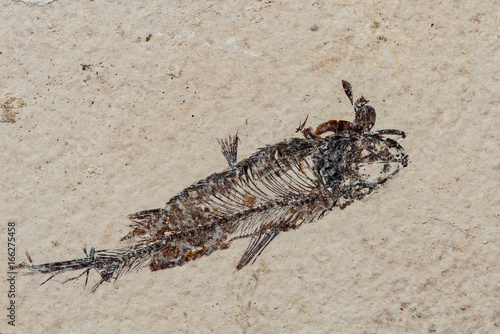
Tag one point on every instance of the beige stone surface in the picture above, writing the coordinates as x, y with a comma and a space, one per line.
86, 145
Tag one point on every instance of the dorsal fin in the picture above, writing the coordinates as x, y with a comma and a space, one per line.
229, 148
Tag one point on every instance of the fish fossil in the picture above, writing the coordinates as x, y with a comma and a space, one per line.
278, 188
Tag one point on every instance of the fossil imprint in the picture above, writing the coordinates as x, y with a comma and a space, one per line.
278, 188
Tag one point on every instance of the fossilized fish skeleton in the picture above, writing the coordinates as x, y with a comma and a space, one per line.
278, 188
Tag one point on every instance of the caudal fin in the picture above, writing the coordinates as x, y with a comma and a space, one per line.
110, 264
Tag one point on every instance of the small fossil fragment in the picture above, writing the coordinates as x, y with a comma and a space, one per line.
278, 188
9, 108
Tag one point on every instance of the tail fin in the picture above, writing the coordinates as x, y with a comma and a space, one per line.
110, 264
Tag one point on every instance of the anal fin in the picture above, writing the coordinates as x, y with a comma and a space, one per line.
257, 245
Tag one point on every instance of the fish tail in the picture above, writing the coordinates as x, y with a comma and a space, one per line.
110, 264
